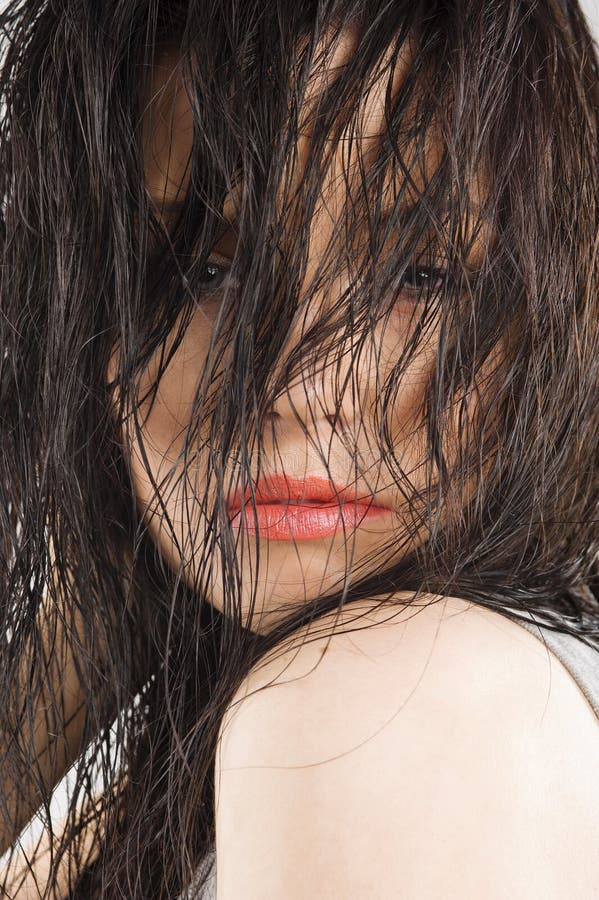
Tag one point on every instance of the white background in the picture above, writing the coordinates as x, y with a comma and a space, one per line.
591, 8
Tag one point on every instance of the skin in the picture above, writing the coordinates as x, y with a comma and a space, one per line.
290, 573
295, 574
443, 753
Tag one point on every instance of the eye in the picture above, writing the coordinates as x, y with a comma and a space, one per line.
213, 276
419, 279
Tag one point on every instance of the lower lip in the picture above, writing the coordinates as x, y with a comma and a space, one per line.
304, 522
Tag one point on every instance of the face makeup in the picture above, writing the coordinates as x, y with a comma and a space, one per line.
311, 508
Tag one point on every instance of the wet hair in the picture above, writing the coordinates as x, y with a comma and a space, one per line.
490, 139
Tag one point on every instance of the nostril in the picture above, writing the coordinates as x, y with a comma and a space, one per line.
336, 423
268, 419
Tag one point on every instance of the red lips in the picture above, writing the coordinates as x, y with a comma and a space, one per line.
301, 509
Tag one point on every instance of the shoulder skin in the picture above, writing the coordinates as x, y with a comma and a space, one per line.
438, 752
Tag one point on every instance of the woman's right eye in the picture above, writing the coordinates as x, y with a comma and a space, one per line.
214, 276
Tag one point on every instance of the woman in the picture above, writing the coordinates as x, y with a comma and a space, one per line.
300, 425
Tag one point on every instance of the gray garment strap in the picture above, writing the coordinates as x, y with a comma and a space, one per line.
581, 660
206, 870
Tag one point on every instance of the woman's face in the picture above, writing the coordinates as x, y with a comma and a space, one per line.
303, 550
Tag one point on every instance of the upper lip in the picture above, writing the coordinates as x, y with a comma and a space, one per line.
311, 489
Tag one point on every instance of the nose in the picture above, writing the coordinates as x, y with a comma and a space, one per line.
310, 402
319, 388
320, 384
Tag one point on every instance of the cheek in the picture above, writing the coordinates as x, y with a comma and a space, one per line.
164, 422
163, 418
406, 400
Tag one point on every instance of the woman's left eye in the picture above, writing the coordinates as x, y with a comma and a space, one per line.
419, 279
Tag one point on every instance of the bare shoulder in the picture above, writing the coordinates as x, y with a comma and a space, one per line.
382, 654
445, 734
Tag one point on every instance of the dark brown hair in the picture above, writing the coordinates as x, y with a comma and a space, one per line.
508, 510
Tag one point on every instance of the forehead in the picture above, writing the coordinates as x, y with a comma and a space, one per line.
168, 129
168, 119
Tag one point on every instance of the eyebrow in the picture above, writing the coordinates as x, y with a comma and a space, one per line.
167, 205
386, 213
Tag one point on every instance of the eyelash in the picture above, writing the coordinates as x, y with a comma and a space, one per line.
215, 269
434, 278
